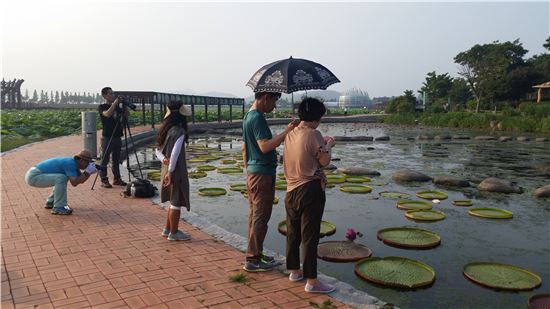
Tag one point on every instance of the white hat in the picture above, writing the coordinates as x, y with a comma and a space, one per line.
184, 110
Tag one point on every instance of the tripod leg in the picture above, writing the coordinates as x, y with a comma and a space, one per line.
134, 149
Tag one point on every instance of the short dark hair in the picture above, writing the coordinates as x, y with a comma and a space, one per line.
311, 109
258, 95
105, 90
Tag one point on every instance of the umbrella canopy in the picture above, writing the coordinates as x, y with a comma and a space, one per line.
290, 75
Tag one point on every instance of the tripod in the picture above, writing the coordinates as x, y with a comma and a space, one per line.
127, 133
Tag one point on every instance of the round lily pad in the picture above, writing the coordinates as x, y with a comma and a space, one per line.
336, 178
432, 194
539, 301
228, 161
197, 160
154, 175
342, 251
230, 170
205, 168
394, 195
212, 191
238, 187
501, 276
357, 179
275, 200
395, 271
208, 158
413, 205
355, 188
197, 174
425, 215
492, 213
327, 228
409, 237
280, 184
465, 203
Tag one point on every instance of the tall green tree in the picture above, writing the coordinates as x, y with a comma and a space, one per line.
485, 68
459, 93
34, 96
436, 87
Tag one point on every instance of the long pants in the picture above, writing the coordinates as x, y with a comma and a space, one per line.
114, 152
304, 210
261, 192
58, 197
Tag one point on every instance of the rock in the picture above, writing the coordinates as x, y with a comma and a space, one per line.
330, 167
543, 168
425, 137
522, 139
541, 139
485, 138
406, 175
542, 192
335, 159
370, 148
505, 138
382, 138
358, 171
442, 137
460, 137
410, 138
492, 184
450, 181
353, 138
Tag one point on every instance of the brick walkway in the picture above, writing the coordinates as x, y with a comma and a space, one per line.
109, 253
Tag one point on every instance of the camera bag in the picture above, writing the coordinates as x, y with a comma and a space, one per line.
140, 188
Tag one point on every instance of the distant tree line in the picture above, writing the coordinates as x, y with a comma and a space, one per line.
491, 76
61, 97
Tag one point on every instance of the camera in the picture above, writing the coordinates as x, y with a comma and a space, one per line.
127, 103
102, 168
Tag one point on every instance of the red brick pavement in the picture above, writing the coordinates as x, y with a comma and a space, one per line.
109, 253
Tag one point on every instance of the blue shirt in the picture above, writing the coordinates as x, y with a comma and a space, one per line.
60, 165
255, 128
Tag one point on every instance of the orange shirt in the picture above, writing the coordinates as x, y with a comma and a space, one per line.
301, 156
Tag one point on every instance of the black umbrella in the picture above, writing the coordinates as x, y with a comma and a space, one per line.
290, 75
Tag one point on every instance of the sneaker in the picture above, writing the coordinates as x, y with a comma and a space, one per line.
257, 267
49, 205
294, 277
179, 236
119, 182
66, 210
270, 260
165, 232
105, 183
321, 288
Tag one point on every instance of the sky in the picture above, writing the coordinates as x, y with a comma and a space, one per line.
198, 47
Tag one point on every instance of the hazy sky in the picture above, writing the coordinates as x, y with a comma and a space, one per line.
381, 48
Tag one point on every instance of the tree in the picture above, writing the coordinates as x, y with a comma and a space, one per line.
402, 104
34, 96
57, 97
459, 93
26, 96
436, 87
485, 68
547, 44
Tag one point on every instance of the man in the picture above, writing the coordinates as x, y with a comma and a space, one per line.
261, 162
57, 172
113, 117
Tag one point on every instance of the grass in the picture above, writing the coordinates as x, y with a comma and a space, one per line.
239, 278
327, 304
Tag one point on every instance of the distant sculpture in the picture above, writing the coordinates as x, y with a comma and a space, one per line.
11, 93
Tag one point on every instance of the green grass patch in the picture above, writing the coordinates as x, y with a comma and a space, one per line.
239, 278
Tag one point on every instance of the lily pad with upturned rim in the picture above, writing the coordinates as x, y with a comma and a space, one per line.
464, 203
336, 178
395, 272
413, 205
501, 276
238, 187
205, 168
357, 179
212, 191
409, 237
394, 195
228, 161
491, 213
342, 251
154, 175
355, 188
432, 194
327, 228
425, 215
197, 174
230, 170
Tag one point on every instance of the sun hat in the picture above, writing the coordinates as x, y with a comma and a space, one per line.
84, 154
184, 110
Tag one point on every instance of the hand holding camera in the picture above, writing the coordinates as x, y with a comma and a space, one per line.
329, 141
91, 168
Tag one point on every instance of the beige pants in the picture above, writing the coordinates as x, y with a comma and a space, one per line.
261, 192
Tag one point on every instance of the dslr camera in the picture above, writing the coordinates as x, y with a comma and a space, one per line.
127, 103
101, 167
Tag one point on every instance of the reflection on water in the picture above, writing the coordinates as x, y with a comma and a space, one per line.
523, 241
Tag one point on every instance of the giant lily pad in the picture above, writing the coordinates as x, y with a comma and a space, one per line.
395, 271
197, 160
355, 188
336, 178
327, 228
413, 205
432, 194
205, 168
212, 191
230, 170
409, 237
357, 179
241, 187
501, 276
342, 251
465, 203
228, 161
492, 213
154, 175
394, 195
197, 174
280, 185
425, 215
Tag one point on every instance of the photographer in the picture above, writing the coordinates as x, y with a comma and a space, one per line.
113, 116
57, 172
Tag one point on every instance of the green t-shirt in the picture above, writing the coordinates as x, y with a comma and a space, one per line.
255, 128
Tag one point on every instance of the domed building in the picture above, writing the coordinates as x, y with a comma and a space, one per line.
355, 98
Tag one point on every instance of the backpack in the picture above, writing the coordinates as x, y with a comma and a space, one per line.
140, 188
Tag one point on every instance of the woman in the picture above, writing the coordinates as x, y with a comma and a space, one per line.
305, 153
171, 151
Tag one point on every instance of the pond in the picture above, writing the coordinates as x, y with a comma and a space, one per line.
523, 241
